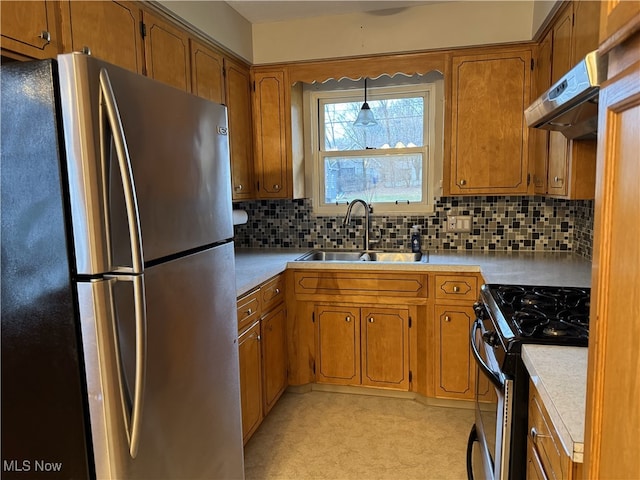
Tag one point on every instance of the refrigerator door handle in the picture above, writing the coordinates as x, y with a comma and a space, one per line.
108, 101
132, 410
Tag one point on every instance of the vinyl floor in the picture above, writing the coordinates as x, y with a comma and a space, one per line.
326, 435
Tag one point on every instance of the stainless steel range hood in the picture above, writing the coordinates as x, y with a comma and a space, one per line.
570, 106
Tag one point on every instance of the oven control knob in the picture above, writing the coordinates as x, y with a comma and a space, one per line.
480, 311
490, 338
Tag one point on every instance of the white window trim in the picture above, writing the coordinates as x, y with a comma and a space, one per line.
432, 150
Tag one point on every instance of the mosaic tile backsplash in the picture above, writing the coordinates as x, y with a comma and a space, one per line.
499, 223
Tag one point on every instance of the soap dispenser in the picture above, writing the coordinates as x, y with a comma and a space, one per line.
416, 242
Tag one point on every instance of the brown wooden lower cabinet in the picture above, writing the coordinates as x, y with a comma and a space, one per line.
454, 366
262, 350
274, 356
250, 380
360, 345
546, 456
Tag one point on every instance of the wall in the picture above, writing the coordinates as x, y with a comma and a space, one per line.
439, 25
500, 223
218, 21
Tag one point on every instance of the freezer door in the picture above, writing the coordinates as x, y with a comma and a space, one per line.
190, 418
147, 163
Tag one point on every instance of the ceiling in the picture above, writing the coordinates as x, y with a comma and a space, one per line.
265, 11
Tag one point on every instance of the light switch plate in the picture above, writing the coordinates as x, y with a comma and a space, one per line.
459, 223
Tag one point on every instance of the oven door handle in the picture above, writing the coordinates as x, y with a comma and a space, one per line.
493, 377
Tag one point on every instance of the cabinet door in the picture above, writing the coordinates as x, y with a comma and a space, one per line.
207, 73
489, 152
613, 413
273, 160
31, 28
238, 90
586, 25
539, 139
110, 30
338, 353
250, 380
166, 52
385, 348
274, 356
454, 365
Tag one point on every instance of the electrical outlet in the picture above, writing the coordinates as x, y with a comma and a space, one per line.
459, 223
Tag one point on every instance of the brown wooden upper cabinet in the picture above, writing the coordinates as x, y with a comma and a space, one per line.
207, 72
489, 153
271, 107
238, 92
31, 28
108, 30
569, 165
166, 49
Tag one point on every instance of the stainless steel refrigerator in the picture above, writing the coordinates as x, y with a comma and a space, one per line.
119, 350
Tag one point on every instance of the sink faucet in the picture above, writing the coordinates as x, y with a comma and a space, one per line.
367, 212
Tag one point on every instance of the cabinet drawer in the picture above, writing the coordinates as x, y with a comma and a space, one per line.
272, 293
248, 309
374, 284
456, 287
544, 440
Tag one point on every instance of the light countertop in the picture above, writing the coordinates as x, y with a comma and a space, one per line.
560, 375
254, 266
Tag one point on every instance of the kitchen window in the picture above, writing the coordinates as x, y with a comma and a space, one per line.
394, 165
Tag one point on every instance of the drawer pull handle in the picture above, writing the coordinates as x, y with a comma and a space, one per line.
46, 36
535, 435
456, 289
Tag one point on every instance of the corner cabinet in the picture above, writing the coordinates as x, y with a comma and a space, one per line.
489, 149
272, 150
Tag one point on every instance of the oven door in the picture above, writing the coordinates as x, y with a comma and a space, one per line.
492, 429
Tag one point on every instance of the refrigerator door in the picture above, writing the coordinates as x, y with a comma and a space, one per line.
166, 152
190, 418
44, 422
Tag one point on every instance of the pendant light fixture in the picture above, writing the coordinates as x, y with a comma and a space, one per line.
365, 117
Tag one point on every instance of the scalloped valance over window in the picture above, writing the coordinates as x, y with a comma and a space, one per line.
372, 67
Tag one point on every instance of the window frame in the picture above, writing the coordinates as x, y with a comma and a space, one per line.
314, 133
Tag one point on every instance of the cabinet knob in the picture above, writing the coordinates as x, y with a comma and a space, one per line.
463, 182
348, 319
258, 338
276, 187
456, 289
249, 312
239, 188
558, 179
277, 291
86, 50
44, 35
447, 318
535, 435
370, 319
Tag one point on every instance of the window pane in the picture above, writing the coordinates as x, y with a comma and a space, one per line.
400, 124
374, 179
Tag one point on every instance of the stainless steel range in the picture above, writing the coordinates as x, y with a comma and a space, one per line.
508, 316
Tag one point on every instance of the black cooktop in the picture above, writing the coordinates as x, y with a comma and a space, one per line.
539, 314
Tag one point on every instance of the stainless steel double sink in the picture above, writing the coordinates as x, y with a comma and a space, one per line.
363, 256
